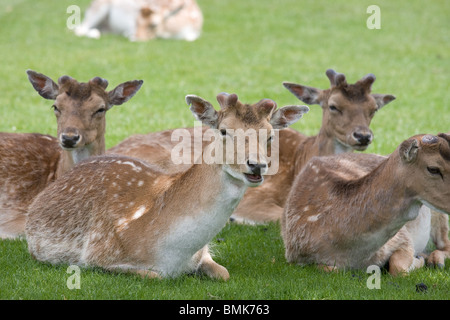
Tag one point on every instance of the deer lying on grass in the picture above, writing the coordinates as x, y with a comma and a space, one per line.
347, 112
124, 214
29, 161
143, 20
353, 210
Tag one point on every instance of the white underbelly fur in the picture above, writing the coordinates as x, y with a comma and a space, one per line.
193, 232
420, 229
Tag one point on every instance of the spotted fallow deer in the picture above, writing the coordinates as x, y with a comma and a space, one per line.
347, 110
29, 161
123, 214
142, 20
353, 210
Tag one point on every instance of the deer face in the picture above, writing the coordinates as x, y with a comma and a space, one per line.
348, 121
80, 110
80, 107
347, 108
426, 165
243, 132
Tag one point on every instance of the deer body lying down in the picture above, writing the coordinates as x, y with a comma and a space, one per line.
121, 213
353, 209
347, 112
29, 161
143, 20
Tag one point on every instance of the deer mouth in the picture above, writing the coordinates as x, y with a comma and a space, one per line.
70, 147
360, 146
253, 178
350, 145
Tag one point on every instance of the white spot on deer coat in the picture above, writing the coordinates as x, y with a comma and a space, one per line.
314, 218
139, 212
135, 167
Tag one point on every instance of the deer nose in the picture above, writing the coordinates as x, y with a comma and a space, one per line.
70, 139
363, 138
257, 168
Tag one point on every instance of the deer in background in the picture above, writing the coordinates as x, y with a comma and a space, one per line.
123, 214
347, 112
352, 211
143, 20
29, 161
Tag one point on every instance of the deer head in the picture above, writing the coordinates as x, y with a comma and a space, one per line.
347, 108
426, 163
239, 125
80, 107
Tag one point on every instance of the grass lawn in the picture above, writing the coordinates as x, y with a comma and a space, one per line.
248, 47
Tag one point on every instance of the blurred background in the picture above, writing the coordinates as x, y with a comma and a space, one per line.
246, 47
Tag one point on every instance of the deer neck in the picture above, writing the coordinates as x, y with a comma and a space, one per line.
204, 198
326, 145
320, 145
212, 182
70, 158
383, 202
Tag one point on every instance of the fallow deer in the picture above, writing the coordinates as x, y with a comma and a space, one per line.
121, 213
347, 112
353, 210
29, 161
141, 20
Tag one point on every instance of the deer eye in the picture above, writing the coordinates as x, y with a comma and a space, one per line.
100, 111
55, 109
270, 139
223, 132
333, 108
435, 171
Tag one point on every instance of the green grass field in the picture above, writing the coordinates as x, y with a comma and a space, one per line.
249, 48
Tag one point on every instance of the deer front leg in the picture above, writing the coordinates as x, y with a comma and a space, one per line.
257, 210
327, 268
439, 235
399, 251
203, 262
142, 272
403, 261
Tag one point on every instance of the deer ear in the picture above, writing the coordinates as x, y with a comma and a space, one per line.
124, 92
203, 110
382, 99
286, 116
408, 150
306, 94
45, 86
